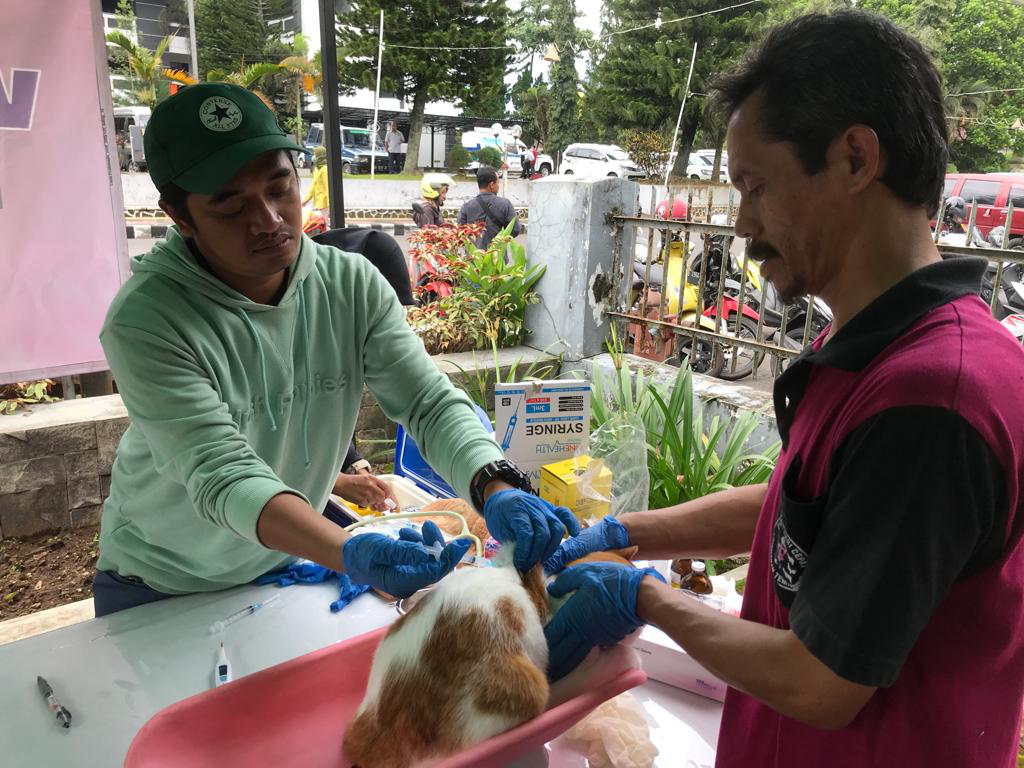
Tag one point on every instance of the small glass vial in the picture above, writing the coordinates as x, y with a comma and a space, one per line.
697, 580
679, 570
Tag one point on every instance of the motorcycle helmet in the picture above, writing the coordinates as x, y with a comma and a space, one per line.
430, 185
679, 209
956, 211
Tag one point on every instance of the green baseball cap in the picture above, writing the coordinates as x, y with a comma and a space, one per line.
203, 135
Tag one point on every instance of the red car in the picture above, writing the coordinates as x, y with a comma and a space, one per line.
992, 192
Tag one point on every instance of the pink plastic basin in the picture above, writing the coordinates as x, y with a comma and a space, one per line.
295, 713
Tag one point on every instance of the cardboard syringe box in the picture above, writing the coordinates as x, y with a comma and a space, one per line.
540, 422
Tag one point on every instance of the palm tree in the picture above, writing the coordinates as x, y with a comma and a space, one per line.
308, 77
144, 65
247, 77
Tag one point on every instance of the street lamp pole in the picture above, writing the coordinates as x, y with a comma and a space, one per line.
192, 37
376, 99
332, 120
675, 133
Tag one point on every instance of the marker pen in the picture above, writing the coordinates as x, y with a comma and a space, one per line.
63, 716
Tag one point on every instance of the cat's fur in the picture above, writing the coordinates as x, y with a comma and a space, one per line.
466, 663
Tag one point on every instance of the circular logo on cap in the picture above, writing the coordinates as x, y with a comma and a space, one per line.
220, 114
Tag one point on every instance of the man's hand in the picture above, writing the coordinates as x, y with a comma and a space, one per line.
365, 489
534, 525
602, 612
608, 534
399, 567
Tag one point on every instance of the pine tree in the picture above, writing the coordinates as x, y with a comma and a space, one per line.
563, 98
426, 71
639, 79
230, 34
534, 31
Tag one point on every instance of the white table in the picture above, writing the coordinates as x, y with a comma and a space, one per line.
116, 672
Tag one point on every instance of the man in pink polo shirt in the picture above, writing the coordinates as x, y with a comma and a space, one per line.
883, 619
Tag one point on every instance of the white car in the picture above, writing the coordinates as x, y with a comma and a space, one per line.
702, 163
592, 160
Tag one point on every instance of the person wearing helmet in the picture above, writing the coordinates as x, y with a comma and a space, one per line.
434, 188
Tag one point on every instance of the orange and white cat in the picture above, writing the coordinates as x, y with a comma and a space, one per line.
467, 662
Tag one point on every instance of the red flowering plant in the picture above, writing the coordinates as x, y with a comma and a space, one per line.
441, 253
470, 298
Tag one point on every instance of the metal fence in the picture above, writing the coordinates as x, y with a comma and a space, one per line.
695, 296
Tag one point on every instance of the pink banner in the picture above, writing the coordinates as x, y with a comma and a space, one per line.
63, 252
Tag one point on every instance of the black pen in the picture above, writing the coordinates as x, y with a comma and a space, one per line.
63, 716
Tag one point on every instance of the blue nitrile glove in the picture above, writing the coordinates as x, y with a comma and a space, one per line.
397, 567
348, 592
607, 534
430, 535
311, 573
601, 612
298, 573
533, 524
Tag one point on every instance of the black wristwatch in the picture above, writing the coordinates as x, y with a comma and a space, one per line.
498, 470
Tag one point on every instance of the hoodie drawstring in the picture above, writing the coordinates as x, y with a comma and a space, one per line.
309, 383
263, 369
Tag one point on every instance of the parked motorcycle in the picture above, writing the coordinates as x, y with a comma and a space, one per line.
660, 343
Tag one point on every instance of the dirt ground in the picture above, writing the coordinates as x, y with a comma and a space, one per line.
46, 570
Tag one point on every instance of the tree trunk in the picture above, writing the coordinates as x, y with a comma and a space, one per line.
687, 132
419, 103
716, 171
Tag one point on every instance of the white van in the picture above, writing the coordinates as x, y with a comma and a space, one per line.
598, 160
478, 137
129, 123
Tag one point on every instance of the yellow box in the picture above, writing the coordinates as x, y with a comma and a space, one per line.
559, 485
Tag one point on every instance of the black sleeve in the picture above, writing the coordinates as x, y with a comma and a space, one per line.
386, 254
510, 215
380, 249
351, 457
917, 501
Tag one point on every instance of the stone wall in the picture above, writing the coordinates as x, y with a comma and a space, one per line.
55, 460
55, 464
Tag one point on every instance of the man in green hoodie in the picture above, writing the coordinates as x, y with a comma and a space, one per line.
240, 349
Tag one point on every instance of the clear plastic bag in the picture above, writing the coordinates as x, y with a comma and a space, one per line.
620, 444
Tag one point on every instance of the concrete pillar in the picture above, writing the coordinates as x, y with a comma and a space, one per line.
588, 259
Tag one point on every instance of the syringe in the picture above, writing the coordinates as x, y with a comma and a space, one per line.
249, 610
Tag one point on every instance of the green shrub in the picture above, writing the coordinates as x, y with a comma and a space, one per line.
685, 460
489, 156
458, 158
648, 150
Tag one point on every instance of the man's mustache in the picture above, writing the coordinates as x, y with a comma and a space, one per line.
762, 251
